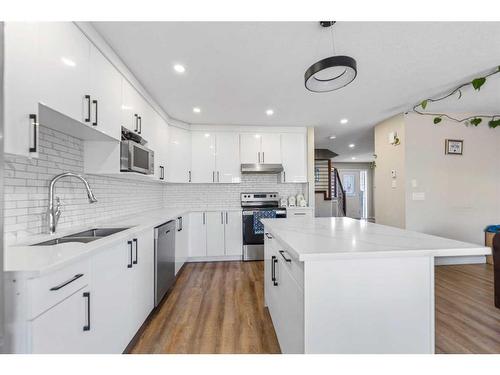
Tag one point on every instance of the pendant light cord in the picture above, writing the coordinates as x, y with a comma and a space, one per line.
333, 40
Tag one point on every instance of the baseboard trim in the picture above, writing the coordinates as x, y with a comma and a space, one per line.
448, 261
214, 259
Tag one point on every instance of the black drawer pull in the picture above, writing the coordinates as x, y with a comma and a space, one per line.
96, 110
136, 251
87, 98
76, 277
268, 236
34, 124
274, 261
282, 252
86, 327
130, 247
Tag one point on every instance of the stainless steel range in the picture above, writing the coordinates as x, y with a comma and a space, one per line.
257, 206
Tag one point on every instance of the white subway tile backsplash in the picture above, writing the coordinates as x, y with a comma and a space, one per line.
26, 190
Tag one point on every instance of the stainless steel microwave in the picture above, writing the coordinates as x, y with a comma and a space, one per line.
134, 157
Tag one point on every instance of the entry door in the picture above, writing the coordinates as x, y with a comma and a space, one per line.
350, 183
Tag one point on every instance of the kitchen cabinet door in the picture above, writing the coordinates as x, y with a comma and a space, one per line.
228, 165
64, 65
21, 87
159, 144
270, 149
250, 148
142, 300
203, 158
179, 155
105, 94
131, 107
233, 233
181, 242
294, 157
66, 328
215, 233
197, 234
111, 303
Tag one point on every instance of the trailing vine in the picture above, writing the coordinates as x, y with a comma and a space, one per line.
476, 83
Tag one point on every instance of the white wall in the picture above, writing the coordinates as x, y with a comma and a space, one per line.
462, 193
389, 200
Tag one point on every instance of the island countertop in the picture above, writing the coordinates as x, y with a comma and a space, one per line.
340, 237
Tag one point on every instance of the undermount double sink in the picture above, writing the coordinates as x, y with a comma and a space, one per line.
84, 237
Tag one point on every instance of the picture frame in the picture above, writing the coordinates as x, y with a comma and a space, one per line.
454, 147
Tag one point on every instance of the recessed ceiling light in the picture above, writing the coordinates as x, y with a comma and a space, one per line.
353, 158
196, 109
333, 137
269, 112
68, 62
352, 145
344, 121
179, 68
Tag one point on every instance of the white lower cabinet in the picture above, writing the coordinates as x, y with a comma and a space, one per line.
66, 327
123, 292
181, 242
284, 296
215, 234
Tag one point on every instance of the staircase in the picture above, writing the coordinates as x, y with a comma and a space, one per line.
330, 195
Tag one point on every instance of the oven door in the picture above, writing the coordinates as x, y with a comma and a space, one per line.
253, 243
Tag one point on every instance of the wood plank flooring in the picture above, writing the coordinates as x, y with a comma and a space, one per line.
219, 308
466, 318
213, 308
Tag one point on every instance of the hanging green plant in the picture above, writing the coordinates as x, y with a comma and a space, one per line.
475, 120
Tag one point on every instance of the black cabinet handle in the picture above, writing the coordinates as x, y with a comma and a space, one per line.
274, 261
140, 124
282, 252
136, 122
87, 98
189, 176
203, 218
96, 110
136, 251
213, 176
87, 326
35, 125
268, 236
130, 247
180, 223
218, 180
76, 277
227, 220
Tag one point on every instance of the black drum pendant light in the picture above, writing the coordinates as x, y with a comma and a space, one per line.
331, 73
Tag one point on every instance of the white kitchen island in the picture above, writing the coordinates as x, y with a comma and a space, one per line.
339, 285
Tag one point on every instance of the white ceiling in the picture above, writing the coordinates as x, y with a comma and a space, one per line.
237, 70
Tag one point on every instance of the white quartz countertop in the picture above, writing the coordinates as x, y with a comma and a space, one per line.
38, 260
324, 238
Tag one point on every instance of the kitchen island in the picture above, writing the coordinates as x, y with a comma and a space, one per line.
339, 285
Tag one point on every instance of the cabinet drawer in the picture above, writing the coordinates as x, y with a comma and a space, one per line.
48, 290
294, 267
299, 212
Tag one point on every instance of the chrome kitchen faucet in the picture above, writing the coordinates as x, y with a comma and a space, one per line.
54, 211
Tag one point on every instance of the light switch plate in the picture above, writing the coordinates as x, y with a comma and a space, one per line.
393, 173
418, 196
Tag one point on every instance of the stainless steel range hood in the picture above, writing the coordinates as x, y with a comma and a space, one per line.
261, 168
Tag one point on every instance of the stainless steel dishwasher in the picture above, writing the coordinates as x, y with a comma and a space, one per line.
164, 259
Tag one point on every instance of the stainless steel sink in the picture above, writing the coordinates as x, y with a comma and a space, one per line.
57, 241
97, 232
84, 237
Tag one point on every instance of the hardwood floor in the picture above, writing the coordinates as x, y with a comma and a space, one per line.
466, 318
213, 308
219, 308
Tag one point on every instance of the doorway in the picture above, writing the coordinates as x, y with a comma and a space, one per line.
355, 184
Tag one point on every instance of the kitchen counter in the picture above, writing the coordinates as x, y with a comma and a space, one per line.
341, 237
339, 285
38, 260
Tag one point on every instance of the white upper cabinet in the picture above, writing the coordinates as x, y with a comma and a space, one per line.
215, 157
64, 62
21, 88
250, 148
105, 94
264, 148
203, 157
227, 160
294, 157
270, 149
178, 168
131, 107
